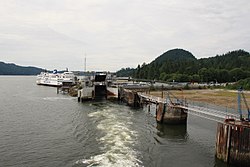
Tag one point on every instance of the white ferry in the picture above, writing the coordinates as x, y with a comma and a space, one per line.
55, 79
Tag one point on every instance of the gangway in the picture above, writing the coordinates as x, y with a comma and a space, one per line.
211, 114
204, 112
233, 130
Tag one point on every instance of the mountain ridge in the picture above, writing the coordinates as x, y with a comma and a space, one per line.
13, 69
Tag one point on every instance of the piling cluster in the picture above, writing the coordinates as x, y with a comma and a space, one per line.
233, 142
167, 112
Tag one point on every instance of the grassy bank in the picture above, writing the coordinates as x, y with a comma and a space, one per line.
220, 97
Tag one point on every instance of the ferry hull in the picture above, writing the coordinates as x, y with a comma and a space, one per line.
55, 80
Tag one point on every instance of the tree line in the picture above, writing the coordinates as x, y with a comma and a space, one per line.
181, 66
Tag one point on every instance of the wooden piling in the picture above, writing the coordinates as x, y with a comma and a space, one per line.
233, 142
130, 97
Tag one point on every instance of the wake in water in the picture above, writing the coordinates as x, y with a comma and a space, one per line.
58, 98
118, 141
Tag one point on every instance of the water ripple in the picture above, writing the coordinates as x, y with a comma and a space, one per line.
117, 143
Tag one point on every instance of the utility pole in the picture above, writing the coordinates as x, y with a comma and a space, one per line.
85, 63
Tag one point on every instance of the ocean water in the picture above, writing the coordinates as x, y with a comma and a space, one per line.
39, 127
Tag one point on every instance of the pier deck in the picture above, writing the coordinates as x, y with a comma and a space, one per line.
205, 112
233, 133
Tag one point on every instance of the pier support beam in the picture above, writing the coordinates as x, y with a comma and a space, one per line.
233, 143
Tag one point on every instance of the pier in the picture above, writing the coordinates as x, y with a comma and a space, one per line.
65, 87
233, 130
167, 110
96, 88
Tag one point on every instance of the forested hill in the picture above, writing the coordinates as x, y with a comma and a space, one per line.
174, 55
12, 69
230, 60
181, 66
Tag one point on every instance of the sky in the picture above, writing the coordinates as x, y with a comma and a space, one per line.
115, 34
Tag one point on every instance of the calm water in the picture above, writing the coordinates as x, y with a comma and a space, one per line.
42, 128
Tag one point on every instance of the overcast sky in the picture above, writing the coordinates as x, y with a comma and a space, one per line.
113, 34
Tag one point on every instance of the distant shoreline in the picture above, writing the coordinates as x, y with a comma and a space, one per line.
18, 74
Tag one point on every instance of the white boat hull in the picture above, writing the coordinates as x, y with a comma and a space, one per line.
50, 79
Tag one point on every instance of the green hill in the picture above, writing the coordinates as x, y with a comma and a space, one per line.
125, 72
230, 60
182, 66
12, 69
176, 61
175, 55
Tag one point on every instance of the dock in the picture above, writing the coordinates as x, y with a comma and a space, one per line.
167, 110
65, 87
233, 131
97, 89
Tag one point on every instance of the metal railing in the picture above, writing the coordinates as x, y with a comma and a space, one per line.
204, 112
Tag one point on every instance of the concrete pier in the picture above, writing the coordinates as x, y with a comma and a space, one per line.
171, 114
85, 94
233, 142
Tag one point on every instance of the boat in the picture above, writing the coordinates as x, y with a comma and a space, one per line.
55, 78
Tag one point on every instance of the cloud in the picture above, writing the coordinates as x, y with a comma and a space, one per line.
118, 33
